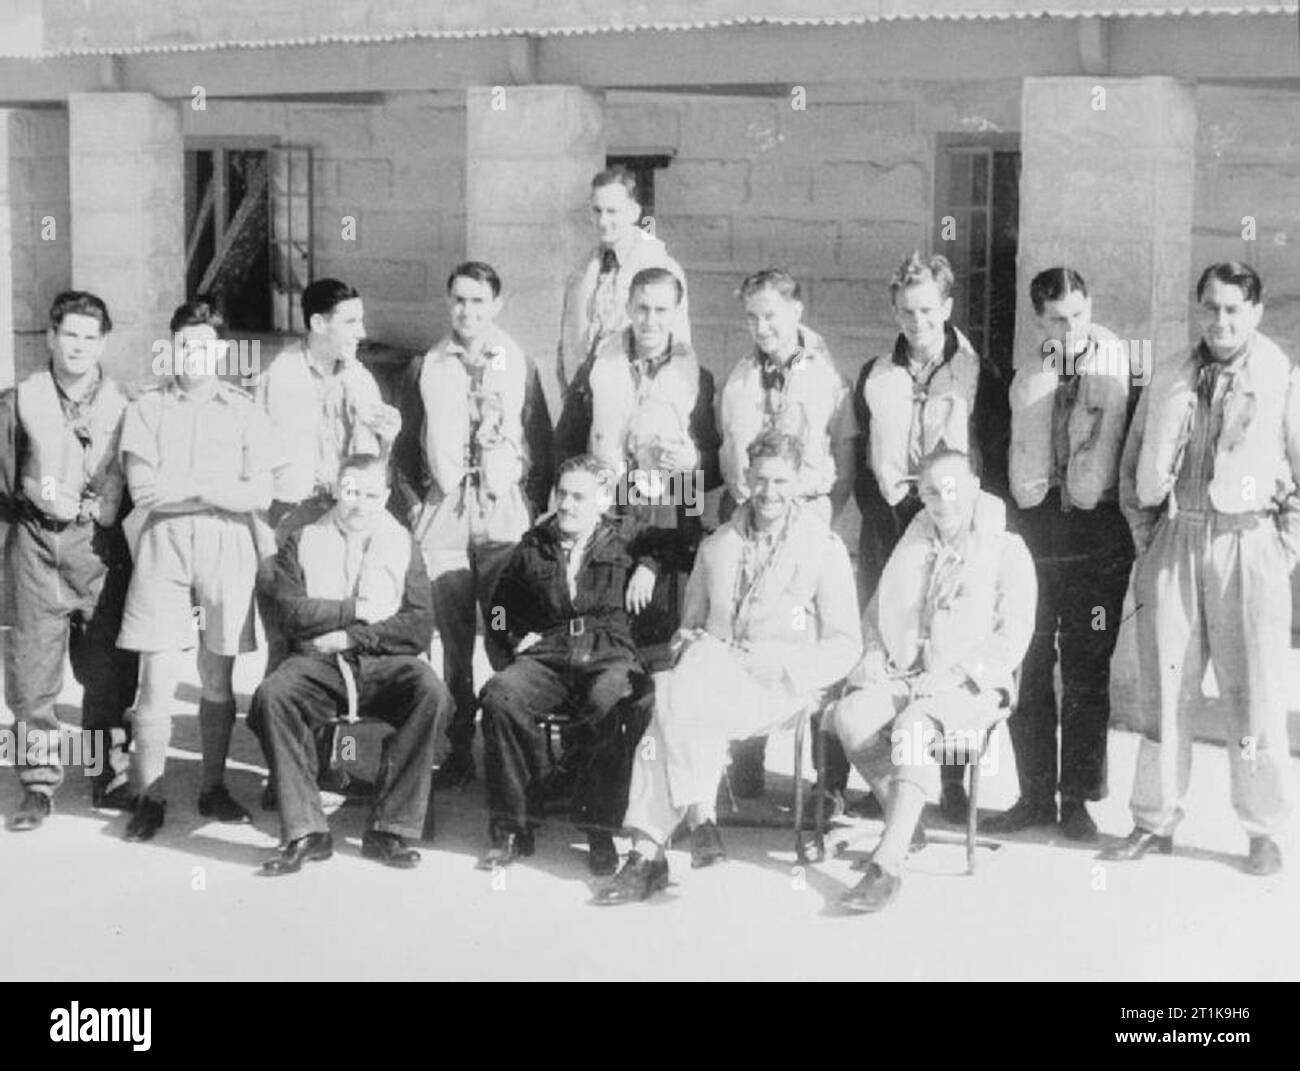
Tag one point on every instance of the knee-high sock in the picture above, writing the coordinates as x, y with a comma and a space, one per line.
906, 801
216, 723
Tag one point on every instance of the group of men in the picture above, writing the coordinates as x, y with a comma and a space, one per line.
686, 590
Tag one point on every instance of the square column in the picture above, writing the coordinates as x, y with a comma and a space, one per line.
128, 215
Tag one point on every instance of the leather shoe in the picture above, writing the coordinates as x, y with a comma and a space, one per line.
313, 847
1265, 857
147, 820
953, 803
218, 803
117, 799
456, 772
1076, 822
639, 879
877, 890
506, 847
602, 856
1136, 845
706, 845
33, 810
389, 848
1025, 813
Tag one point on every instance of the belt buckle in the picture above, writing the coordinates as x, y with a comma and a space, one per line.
577, 626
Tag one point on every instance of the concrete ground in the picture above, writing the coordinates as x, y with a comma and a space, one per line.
77, 903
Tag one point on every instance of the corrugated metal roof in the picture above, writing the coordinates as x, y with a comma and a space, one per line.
886, 11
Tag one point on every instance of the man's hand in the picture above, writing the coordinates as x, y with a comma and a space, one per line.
682, 640
89, 509
531, 639
676, 457
331, 642
640, 589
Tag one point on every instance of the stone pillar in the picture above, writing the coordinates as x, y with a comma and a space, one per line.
35, 249
530, 155
1106, 182
128, 214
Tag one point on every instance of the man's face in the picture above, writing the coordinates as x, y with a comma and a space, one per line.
338, 333
580, 500
1227, 319
921, 312
473, 307
948, 492
1066, 320
197, 347
615, 214
76, 345
652, 310
773, 486
773, 321
361, 496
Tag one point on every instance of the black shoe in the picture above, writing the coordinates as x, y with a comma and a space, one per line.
456, 772
389, 848
1136, 845
953, 804
1076, 822
1023, 814
147, 820
877, 890
1265, 857
117, 799
218, 803
639, 879
506, 847
706, 845
602, 856
313, 847
33, 810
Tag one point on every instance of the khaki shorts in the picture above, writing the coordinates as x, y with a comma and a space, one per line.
194, 574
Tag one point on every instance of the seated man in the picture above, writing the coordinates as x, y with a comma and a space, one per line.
353, 596
945, 631
563, 601
771, 619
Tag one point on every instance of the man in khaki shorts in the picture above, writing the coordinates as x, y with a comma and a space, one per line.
198, 458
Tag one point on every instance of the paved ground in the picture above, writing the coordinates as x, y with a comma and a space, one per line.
78, 903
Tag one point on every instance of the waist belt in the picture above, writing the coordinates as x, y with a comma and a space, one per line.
43, 520
577, 626
1224, 522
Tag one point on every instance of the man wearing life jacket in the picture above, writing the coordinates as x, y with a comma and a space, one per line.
68, 563
933, 391
1069, 414
943, 634
596, 293
1208, 483
789, 382
472, 467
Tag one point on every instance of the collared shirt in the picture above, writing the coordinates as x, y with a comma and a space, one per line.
77, 411
574, 553
775, 375
758, 554
1215, 382
1067, 392
922, 373
644, 369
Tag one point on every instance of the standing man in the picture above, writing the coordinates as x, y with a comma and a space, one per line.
68, 558
1209, 485
933, 391
1069, 413
596, 293
788, 382
472, 467
198, 459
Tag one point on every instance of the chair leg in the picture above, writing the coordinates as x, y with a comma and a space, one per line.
973, 817
801, 853
819, 797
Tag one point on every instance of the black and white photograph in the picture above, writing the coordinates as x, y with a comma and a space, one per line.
611, 490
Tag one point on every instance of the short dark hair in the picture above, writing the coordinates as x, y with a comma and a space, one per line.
590, 464
478, 270
364, 463
1054, 284
777, 279
197, 314
944, 452
1233, 273
80, 303
323, 297
915, 271
775, 443
620, 175
653, 276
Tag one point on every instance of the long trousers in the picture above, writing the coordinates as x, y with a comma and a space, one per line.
297, 705
1083, 559
604, 689
1212, 589
69, 589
